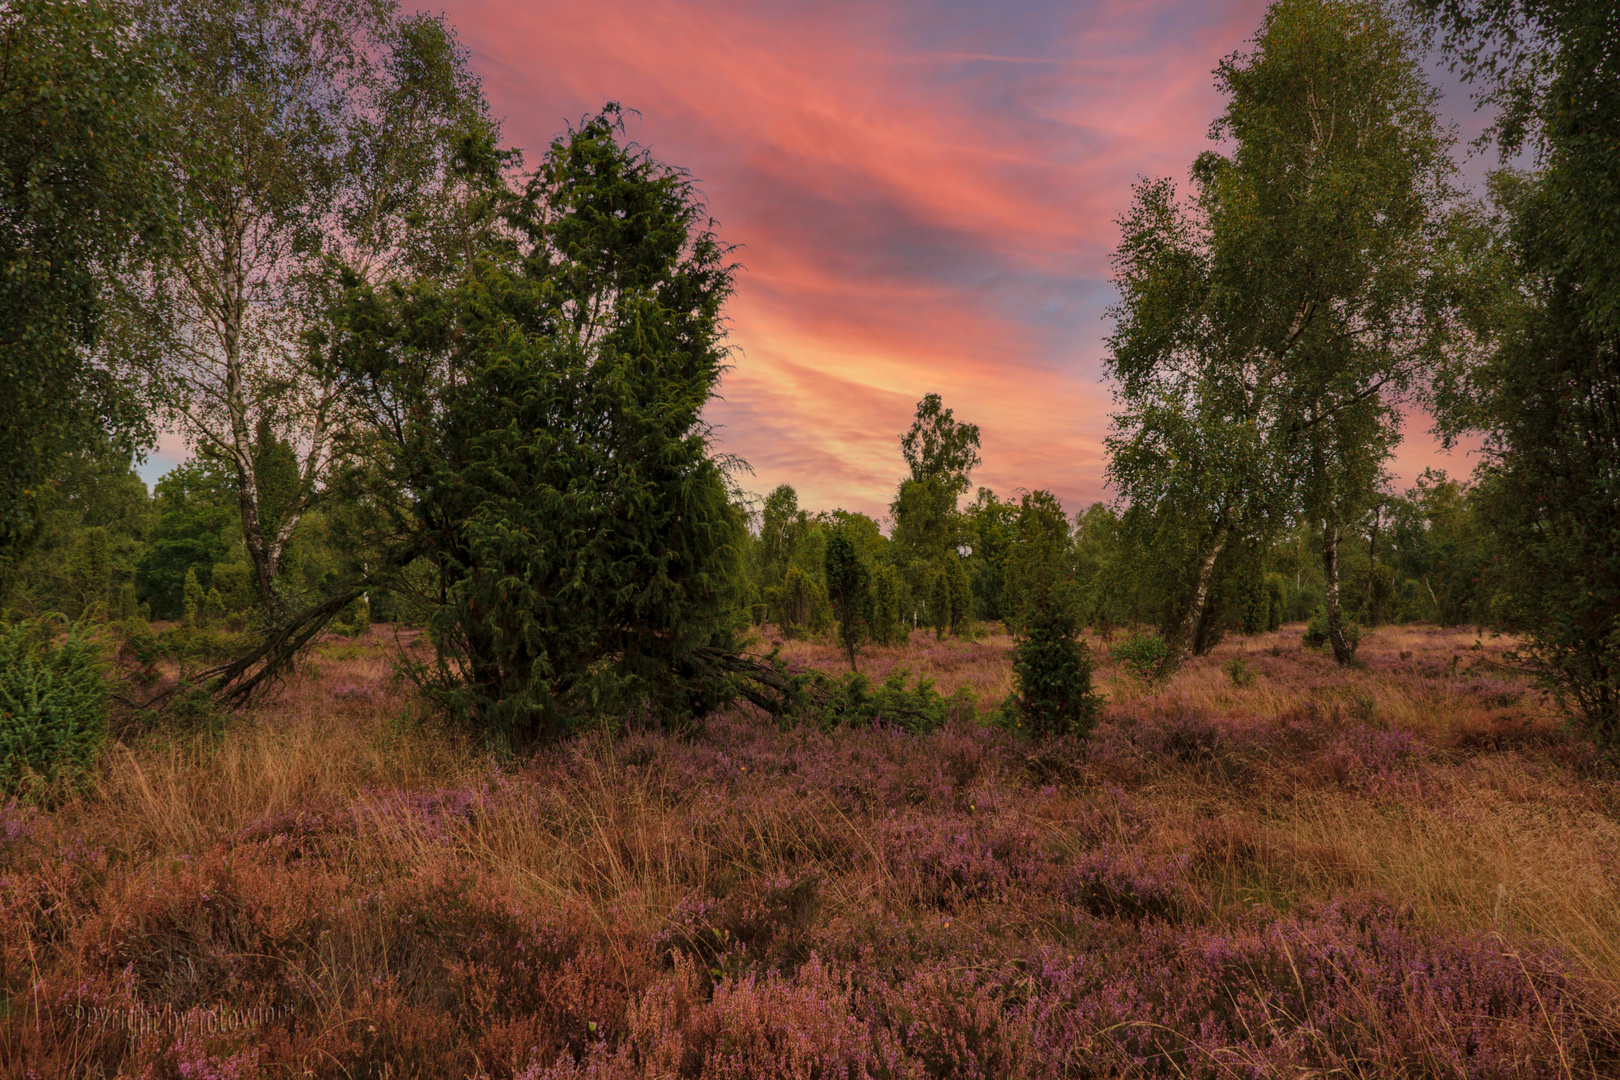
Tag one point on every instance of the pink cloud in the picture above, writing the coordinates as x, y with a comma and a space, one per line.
925, 195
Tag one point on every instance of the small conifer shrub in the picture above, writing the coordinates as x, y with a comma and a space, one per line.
53, 706
1237, 669
1052, 674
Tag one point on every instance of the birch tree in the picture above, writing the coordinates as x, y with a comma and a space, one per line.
322, 134
1304, 278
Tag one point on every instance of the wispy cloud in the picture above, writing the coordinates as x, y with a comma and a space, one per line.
924, 194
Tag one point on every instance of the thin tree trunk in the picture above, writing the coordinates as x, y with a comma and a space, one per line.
1372, 573
1330, 572
1181, 642
232, 316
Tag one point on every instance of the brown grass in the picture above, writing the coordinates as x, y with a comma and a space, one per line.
1505, 825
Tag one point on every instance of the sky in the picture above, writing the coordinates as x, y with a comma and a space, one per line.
923, 196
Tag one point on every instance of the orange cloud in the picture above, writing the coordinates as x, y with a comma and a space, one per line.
924, 194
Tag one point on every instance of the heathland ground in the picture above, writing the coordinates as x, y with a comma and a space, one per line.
1269, 867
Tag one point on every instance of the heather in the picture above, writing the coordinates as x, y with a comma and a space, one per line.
1402, 868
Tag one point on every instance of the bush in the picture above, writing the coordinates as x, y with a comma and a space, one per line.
1141, 655
1237, 669
353, 620
1052, 675
939, 605
194, 599
854, 701
887, 626
1316, 632
122, 603
53, 706
959, 593
236, 586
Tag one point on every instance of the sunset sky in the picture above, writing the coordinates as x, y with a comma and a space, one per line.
924, 194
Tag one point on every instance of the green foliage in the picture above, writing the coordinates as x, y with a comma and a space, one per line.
1143, 655
82, 138
1316, 633
193, 598
1546, 389
1439, 539
353, 620
123, 604
1237, 669
939, 605
988, 528
1263, 330
1052, 673
234, 580
925, 521
213, 608
92, 520
1041, 556
918, 708
1256, 606
888, 628
53, 707
564, 489
801, 604
849, 589
939, 449
1274, 602
958, 594
196, 524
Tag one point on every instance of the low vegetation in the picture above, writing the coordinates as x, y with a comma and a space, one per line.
1405, 868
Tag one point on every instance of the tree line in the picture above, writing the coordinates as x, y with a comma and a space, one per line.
428, 381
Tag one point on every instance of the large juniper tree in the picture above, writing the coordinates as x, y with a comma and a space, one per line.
536, 432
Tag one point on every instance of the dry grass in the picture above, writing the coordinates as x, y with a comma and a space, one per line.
1500, 823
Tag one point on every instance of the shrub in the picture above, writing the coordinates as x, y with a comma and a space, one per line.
194, 599
1237, 669
1316, 632
887, 626
1052, 674
1141, 655
939, 605
959, 590
849, 588
920, 708
53, 705
122, 603
353, 620
235, 584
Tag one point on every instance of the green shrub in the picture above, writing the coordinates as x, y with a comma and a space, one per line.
887, 626
1274, 602
1052, 675
122, 604
1237, 669
920, 708
1141, 655
235, 584
53, 706
939, 606
193, 598
959, 593
1316, 632
353, 620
